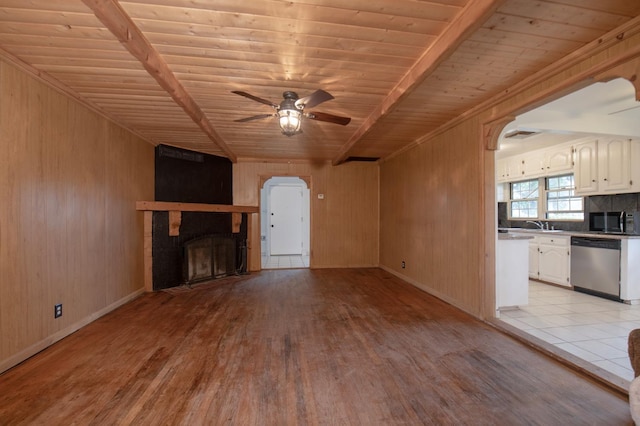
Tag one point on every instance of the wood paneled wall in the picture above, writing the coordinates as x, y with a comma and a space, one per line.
69, 231
430, 199
344, 224
438, 209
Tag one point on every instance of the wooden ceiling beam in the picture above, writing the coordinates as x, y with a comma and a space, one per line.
469, 19
111, 14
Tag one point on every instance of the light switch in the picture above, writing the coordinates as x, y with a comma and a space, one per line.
320, 196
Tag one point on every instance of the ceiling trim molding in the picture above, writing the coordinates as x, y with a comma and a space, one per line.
116, 20
468, 20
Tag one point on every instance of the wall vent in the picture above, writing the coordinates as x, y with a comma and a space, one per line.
365, 159
519, 134
166, 151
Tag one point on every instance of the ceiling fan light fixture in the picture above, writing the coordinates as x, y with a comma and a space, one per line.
292, 109
290, 120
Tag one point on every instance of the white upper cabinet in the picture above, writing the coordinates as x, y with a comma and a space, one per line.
529, 165
614, 160
558, 160
603, 166
607, 165
586, 167
533, 164
509, 169
501, 170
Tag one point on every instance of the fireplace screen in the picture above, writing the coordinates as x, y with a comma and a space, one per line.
209, 257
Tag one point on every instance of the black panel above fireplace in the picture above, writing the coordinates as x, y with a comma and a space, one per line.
192, 177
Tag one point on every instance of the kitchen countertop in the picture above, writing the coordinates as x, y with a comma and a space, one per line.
593, 234
509, 236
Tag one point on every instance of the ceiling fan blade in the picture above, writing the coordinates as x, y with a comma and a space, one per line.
316, 98
255, 98
323, 116
255, 117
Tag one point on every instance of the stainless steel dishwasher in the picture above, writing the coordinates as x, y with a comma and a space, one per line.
595, 266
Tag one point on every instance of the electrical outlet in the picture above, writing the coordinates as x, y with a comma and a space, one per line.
57, 310
403, 264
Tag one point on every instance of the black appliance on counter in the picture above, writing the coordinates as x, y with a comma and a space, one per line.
617, 222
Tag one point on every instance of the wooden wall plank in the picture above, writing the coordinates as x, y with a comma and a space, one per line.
429, 199
69, 231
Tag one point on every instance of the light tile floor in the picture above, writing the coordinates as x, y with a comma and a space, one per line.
285, 262
591, 328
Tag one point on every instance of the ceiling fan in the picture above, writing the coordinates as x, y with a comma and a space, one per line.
292, 108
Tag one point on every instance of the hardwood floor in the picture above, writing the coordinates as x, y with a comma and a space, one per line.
351, 346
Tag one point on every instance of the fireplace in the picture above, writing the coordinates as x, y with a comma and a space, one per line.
209, 257
209, 232
193, 202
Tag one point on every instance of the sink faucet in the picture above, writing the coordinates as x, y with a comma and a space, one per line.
538, 223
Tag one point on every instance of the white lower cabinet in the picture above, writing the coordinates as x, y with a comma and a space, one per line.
549, 258
554, 255
550, 261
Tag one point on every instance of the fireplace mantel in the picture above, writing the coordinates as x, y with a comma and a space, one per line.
166, 206
175, 212
175, 218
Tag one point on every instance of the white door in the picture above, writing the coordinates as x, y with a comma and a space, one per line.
285, 220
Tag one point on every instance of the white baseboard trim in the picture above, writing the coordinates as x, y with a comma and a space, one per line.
50, 340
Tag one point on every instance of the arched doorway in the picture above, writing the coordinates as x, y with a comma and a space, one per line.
285, 223
555, 316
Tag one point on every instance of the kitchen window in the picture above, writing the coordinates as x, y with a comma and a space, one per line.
556, 202
562, 203
524, 199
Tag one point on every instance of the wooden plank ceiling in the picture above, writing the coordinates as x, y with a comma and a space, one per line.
400, 69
